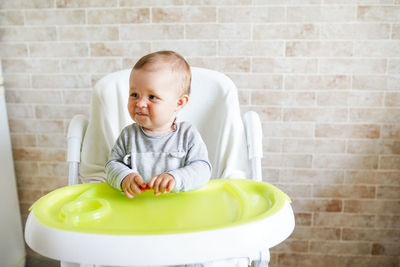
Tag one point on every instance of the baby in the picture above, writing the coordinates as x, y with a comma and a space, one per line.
157, 152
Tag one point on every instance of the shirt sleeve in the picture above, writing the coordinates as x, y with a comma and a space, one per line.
197, 170
118, 164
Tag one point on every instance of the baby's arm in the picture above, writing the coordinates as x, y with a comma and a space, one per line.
197, 170
116, 167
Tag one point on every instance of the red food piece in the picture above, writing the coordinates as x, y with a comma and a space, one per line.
145, 188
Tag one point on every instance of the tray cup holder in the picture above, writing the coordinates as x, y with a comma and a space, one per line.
82, 211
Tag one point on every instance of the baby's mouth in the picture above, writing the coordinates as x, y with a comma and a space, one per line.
139, 113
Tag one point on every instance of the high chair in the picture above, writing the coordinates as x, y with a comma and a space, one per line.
235, 150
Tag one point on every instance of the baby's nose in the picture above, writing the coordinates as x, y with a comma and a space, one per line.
141, 102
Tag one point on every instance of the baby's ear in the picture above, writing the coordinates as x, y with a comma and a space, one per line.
182, 101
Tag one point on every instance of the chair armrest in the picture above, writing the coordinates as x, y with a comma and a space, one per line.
253, 129
76, 132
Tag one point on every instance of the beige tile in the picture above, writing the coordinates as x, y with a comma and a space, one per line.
288, 129
259, 14
257, 81
39, 154
13, 50
183, 14
60, 111
316, 233
344, 191
60, 81
391, 131
389, 162
390, 249
119, 49
287, 160
393, 83
218, 31
11, 17
396, 31
392, 99
88, 33
91, 65
23, 140
26, 168
317, 205
30, 66
47, 126
152, 32
59, 49
340, 248
286, 31
23, 126
365, 99
19, 111
352, 66
119, 16
52, 140
321, 13
18, 4
34, 96
313, 146
296, 190
85, 3
389, 146
375, 115
319, 49
312, 176
384, 48
383, 177
187, 48
55, 17
251, 48
293, 245
315, 114
284, 65
369, 82
394, 66
80, 96
279, 98
378, 13
17, 81
227, 2
345, 162
55, 169
371, 206
317, 82
362, 146
302, 219
28, 34
371, 235
388, 221
345, 31
308, 260
333, 219
151, 3
388, 192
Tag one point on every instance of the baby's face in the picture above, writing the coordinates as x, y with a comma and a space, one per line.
154, 99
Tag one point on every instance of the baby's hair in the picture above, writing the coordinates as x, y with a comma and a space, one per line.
175, 62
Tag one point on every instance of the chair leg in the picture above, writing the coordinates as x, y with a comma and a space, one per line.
264, 259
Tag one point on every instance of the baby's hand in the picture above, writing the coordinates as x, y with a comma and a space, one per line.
162, 183
132, 184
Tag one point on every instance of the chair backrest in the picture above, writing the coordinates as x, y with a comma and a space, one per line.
213, 108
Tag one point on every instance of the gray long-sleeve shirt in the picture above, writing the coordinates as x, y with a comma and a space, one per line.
181, 153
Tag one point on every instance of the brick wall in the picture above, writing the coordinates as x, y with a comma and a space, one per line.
324, 75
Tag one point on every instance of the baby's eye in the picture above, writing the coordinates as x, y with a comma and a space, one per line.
135, 95
152, 97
